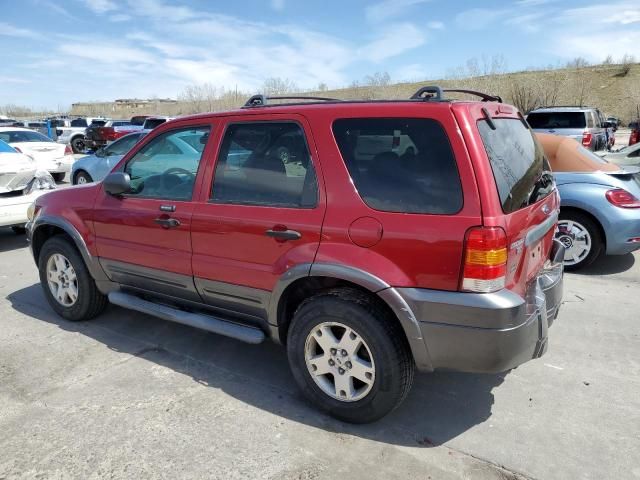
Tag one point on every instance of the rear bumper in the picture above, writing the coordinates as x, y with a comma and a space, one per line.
491, 332
623, 225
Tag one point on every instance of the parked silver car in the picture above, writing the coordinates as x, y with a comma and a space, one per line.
629, 155
584, 124
600, 202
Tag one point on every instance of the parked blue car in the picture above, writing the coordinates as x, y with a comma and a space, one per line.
94, 168
600, 202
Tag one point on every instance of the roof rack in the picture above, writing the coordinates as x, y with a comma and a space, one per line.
434, 93
262, 100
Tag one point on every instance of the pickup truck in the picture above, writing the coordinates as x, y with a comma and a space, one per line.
74, 133
97, 136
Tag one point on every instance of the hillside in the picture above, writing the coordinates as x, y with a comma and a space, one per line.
615, 89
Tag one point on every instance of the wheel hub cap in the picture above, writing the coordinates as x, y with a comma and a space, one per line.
62, 280
339, 361
576, 240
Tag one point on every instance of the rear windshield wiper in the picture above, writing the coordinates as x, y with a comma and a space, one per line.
542, 182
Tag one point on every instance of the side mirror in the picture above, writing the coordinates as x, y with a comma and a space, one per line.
117, 183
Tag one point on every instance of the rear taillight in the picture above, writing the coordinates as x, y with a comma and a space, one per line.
586, 139
485, 260
621, 198
108, 133
68, 150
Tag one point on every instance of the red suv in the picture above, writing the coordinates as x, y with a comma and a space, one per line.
371, 238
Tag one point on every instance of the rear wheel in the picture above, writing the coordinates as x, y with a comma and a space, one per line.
82, 177
581, 238
67, 283
349, 356
58, 177
78, 145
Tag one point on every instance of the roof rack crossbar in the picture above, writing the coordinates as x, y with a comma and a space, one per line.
261, 100
484, 96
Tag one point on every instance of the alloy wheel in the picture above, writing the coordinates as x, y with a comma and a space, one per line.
576, 240
62, 280
339, 361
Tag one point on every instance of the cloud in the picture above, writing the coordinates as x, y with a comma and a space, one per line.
479, 18
101, 6
159, 10
277, 5
394, 40
435, 25
11, 31
533, 3
7, 79
387, 9
108, 53
120, 17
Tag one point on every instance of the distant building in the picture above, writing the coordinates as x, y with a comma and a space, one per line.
123, 106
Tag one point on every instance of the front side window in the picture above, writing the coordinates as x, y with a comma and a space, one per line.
166, 167
79, 122
265, 164
401, 164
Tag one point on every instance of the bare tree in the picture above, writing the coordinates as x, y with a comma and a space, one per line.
278, 86
378, 79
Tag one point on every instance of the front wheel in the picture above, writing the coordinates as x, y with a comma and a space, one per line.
581, 238
349, 356
78, 145
67, 283
81, 178
58, 177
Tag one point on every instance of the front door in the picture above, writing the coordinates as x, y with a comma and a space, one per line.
262, 214
143, 237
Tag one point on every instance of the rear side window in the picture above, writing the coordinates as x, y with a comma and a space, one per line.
79, 122
557, 120
521, 170
152, 123
401, 164
265, 164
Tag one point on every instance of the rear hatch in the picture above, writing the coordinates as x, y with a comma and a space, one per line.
522, 198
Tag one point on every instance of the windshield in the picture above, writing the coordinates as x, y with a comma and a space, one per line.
18, 136
520, 168
557, 120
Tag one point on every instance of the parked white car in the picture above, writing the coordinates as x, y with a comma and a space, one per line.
48, 155
14, 206
625, 156
73, 133
16, 169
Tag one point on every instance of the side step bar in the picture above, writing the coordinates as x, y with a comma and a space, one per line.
203, 322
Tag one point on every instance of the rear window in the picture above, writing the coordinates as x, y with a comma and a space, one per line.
521, 170
120, 123
139, 121
152, 123
401, 164
98, 123
18, 136
557, 120
79, 122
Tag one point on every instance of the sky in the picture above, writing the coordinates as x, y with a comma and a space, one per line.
56, 52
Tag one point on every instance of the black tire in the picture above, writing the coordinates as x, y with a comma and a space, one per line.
78, 145
597, 242
58, 177
90, 301
394, 366
81, 174
19, 229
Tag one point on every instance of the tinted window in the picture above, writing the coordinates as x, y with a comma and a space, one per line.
166, 167
123, 145
265, 164
401, 164
121, 123
79, 122
519, 166
152, 123
557, 120
98, 123
17, 136
138, 120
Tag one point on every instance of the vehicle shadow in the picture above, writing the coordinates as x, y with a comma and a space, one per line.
609, 265
440, 407
11, 241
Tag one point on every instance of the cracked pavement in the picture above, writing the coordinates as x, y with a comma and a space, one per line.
129, 396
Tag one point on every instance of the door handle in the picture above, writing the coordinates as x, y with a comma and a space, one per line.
167, 208
167, 222
283, 234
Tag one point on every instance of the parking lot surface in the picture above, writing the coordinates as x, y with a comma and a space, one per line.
129, 396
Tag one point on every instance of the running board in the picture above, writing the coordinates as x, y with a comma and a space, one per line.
203, 322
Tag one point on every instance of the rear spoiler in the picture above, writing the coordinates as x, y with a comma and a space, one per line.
628, 170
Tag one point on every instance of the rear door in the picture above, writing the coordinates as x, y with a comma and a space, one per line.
519, 193
261, 213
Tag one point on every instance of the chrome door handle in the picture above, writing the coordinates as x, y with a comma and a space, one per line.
283, 234
167, 222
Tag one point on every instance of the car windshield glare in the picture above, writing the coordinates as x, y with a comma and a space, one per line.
22, 136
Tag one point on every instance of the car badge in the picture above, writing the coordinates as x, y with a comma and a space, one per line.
546, 210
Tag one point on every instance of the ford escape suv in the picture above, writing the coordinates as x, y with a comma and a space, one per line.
371, 238
584, 124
